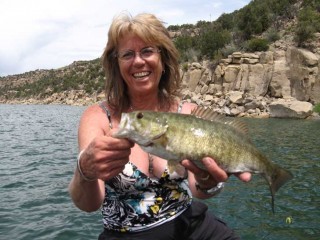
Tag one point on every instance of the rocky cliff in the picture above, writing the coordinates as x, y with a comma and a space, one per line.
283, 79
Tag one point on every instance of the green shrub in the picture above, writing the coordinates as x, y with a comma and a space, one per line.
185, 67
226, 21
228, 50
211, 40
174, 28
308, 24
272, 35
316, 108
257, 44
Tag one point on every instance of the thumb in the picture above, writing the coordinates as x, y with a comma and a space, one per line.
115, 132
191, 166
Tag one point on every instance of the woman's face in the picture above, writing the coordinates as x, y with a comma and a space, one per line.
140, 65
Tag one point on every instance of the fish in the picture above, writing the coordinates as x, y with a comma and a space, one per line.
203, 133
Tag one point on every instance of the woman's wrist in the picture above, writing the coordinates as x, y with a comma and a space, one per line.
211, 191
80, 170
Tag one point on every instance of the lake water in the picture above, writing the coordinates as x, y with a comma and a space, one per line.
38, 148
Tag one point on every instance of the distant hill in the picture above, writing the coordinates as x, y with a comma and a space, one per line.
80, 75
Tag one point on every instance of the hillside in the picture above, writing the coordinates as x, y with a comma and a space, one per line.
261, 26
85, 76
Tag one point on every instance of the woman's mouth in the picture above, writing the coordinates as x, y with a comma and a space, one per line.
141, 74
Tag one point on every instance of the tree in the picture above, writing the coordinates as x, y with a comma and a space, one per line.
226, 21
211, 39
308, 24
184, 43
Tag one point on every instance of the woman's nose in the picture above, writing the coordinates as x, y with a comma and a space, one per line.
137, 58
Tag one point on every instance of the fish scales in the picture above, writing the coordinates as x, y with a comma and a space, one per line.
175, 137
194, 138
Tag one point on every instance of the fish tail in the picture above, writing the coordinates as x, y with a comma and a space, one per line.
278, 178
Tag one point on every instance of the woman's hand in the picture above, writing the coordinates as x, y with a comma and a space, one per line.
105, 157
211, 176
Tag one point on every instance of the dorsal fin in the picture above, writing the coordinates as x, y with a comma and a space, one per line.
207, 114
210, 115
240, 126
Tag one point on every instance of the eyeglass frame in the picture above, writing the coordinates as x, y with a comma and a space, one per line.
152, 50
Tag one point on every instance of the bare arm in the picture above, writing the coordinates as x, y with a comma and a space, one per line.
103, 158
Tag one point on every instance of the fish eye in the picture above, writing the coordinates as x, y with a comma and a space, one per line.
139, 115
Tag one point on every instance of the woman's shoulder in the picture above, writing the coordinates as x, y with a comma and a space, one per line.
98, 108
97, 114
93, 110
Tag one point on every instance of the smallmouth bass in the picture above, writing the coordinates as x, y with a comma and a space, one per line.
203, 133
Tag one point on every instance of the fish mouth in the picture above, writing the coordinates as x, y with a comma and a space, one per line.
126, 130
121, 133
124, 127
145, 143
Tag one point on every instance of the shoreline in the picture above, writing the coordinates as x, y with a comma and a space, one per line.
258, 112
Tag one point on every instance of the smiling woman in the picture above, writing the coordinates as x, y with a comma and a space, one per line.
141, 74
140, 198
158, 59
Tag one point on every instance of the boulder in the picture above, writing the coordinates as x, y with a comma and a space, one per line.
304, 73
280, 83
251, 105
192, 78
259, 78
266, 57
290, 109
231, 73
236, 97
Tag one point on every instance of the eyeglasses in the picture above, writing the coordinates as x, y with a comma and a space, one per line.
144, 53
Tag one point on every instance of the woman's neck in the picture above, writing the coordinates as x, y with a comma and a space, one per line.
145, 102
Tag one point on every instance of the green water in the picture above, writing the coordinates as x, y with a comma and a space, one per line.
38, 147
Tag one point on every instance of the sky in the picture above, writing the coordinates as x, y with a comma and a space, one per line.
49, 34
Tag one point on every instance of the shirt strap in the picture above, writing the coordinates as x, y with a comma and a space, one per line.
106, 110
180, 106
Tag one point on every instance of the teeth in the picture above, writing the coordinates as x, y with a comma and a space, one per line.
141, 74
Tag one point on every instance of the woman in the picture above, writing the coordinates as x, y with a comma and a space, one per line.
139, 198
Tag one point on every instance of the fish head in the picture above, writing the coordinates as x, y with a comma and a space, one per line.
142, 127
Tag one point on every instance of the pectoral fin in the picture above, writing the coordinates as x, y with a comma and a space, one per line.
176, 170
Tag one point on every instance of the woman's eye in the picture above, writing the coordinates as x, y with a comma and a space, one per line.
126, 55
147, 52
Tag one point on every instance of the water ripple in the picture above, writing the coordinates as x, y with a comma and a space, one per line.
38, 151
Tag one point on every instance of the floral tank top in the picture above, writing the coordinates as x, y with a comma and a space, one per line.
135, 202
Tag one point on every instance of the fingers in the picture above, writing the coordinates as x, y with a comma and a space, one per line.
244, 176
110, 169
211, 168
111, 143
212, 171
105, 157
219, 174
208, 176
189, 165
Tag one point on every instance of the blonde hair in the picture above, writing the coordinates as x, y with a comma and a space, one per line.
152, 31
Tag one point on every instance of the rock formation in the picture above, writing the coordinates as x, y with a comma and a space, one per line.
246, 84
